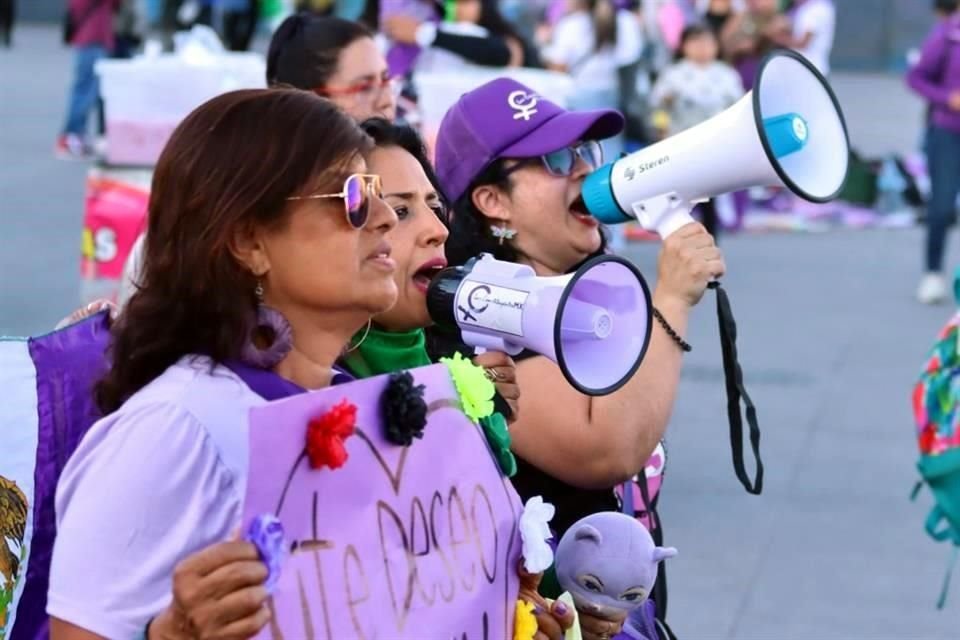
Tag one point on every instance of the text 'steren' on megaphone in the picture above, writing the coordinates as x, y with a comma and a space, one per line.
594, 323
789, 131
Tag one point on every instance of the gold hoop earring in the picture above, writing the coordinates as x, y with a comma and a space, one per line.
362, 338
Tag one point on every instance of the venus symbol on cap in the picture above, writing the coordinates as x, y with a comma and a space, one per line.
523, 103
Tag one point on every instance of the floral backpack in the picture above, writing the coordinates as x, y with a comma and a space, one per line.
936, 408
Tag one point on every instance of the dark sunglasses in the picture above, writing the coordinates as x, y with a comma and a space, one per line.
358, 189
562, 162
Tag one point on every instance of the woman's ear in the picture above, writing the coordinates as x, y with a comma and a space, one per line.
491, 201
248, 248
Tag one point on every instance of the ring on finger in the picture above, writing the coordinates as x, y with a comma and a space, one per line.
493, 375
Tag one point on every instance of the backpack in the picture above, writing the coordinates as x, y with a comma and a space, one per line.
639, 498
936, 408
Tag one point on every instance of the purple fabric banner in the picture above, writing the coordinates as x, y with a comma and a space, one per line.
68, 363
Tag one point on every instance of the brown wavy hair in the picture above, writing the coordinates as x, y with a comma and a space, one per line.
228, 167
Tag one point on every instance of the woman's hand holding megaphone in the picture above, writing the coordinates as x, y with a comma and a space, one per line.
689, 261
502, 372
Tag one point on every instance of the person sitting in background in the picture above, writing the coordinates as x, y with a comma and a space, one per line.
694, 89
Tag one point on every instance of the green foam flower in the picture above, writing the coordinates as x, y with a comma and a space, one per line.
495, 428
475, 389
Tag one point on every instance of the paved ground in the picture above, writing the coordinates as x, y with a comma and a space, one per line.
829, 337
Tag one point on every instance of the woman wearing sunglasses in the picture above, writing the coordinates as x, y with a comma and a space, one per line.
256, 274
513, 163
334, 58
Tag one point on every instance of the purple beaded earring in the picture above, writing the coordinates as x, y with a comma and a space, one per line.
271, 338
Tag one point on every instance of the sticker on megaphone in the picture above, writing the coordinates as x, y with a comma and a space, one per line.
594, 323
488, 306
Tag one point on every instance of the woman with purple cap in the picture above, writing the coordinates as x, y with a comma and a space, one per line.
513, 163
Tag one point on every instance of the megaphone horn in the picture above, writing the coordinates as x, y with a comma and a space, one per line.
789, 131
594, 323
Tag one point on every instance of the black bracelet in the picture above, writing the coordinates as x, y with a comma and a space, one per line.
683, 344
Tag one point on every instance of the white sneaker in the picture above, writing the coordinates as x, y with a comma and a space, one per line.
932, 289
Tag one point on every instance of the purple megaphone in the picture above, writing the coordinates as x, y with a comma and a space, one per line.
594, 323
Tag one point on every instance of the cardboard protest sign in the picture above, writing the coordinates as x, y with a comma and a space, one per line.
400, 542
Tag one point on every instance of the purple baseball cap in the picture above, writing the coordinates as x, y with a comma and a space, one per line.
505, 119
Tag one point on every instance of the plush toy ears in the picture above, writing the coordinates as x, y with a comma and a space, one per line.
662, 553
588, 533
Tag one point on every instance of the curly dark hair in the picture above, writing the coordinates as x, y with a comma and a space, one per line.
228, 168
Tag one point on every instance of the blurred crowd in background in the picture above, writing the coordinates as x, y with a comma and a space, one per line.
667, 64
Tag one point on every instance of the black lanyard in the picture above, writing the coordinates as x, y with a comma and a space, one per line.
733, 378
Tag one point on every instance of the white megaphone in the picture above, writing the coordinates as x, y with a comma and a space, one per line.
789, 131
594, 323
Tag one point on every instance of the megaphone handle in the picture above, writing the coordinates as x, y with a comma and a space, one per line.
664, 214
733, 378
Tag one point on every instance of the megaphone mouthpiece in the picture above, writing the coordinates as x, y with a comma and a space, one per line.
585, 321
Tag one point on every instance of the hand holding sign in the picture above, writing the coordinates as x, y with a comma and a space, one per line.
218, 592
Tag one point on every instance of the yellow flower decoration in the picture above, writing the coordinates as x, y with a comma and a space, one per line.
524, 622
475, 389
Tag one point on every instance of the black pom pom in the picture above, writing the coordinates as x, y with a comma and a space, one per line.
403, 409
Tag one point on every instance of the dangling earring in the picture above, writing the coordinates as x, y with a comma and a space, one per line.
366, 332
271, 338
503, 232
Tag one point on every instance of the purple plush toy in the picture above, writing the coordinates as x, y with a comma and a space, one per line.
608, 563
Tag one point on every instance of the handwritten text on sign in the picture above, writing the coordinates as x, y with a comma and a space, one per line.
401, 542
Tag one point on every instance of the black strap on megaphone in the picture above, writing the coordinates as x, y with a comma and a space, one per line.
733, 377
